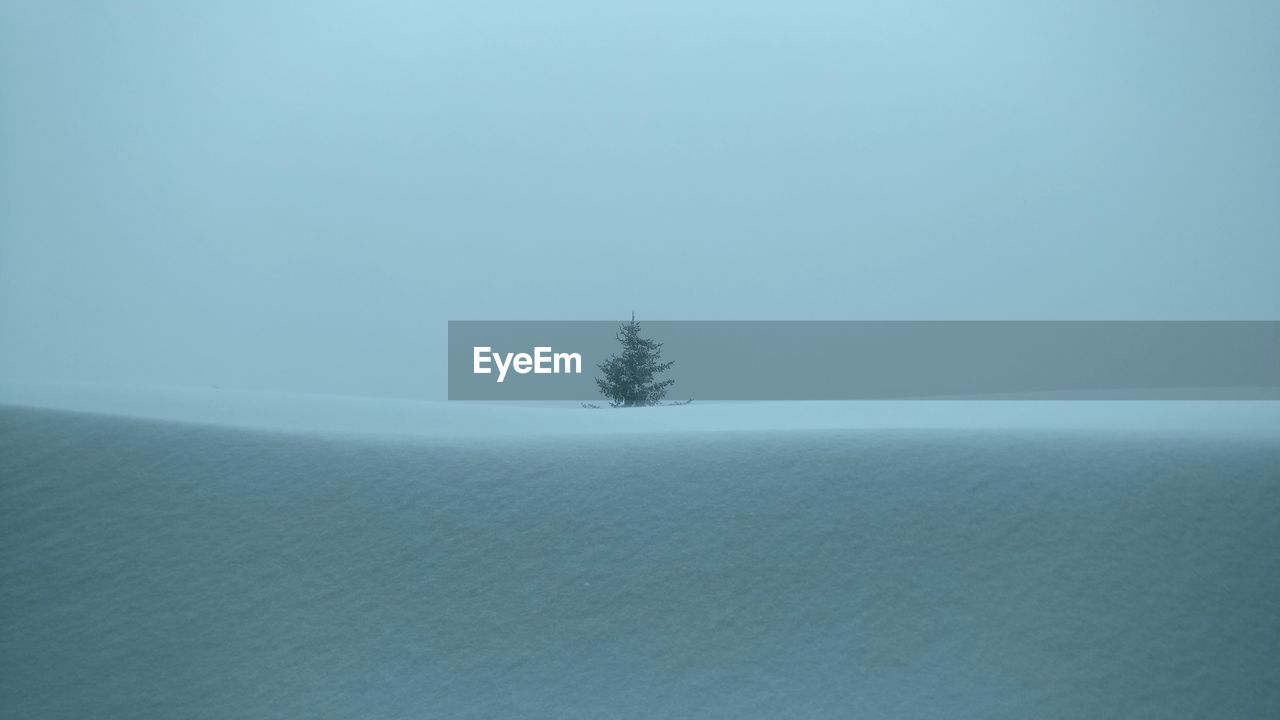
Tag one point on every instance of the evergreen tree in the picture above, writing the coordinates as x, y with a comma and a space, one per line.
628, 379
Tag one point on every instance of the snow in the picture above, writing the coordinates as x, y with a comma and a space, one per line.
373, 559
383, 416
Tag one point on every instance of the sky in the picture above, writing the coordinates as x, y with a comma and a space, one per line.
298, 196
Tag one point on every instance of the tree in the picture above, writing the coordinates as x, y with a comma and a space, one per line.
628, 379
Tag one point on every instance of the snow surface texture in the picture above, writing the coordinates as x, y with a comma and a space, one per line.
163, 569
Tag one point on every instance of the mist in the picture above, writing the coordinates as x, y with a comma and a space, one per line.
279, 196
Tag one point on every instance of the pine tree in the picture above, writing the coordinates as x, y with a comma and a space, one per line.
628, 379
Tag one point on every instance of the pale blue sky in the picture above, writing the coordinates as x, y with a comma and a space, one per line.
298, 196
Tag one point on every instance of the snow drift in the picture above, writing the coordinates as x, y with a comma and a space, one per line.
165, 569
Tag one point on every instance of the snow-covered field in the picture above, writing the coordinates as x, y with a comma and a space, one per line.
381, 416
364, 559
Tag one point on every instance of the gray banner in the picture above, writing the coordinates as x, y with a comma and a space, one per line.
852, 360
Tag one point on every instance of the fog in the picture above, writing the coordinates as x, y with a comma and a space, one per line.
298, 196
